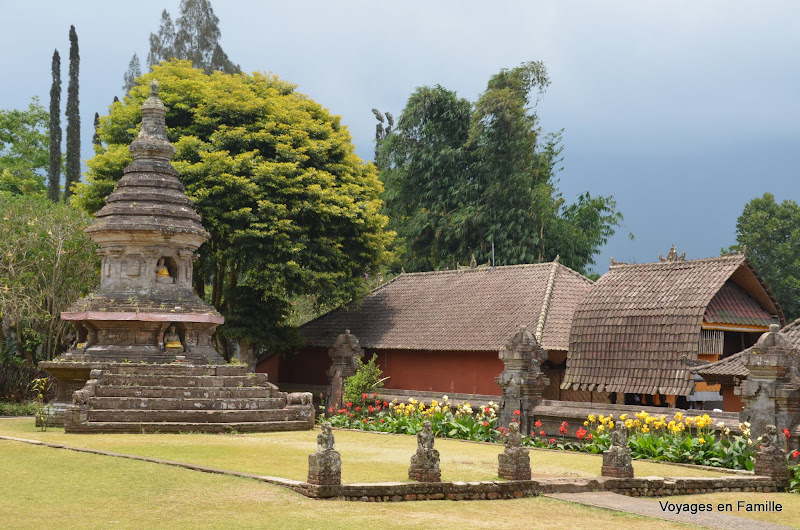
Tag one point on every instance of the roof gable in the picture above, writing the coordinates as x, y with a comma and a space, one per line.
637, 325
464, 310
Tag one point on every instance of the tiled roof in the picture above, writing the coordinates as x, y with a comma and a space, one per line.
732, 305
639, 323
465, 310
732, 366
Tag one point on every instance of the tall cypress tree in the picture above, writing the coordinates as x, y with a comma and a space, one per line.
54, 171
73, 117
96, 136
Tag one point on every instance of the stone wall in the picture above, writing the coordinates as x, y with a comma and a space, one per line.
492, 490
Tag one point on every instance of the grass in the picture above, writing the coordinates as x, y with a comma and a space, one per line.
76, 490
366, 457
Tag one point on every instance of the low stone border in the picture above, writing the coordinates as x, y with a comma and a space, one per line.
484, 490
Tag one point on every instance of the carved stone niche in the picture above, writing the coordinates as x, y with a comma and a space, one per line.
133, 266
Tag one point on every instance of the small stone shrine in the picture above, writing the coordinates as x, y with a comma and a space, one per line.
325, 466
522, 379
770, 461
143, 359
617, 460
771, 393
514, 461
425, 462
344, 356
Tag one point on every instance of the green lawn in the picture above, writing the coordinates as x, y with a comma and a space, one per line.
43, 487
366, 457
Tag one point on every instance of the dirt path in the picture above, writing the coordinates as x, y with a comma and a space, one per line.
651, 508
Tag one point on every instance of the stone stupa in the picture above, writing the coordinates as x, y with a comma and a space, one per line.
145, 328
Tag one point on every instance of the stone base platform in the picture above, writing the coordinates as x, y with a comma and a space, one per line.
147, 398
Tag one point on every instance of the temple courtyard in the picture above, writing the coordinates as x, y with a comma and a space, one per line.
90, 490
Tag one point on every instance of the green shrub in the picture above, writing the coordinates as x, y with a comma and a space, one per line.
365, 382
15, 382
17, 409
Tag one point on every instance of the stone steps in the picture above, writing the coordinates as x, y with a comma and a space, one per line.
186, 393
181, 403
187, 427
190, 416
181, 381
137, 397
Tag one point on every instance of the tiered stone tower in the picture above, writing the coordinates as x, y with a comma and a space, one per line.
147, 314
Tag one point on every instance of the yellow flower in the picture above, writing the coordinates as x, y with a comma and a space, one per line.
610, 424
623, 417
599, 428
629, 424
701, 441
592, 418
602, 418
586, 423
679, 416
645, 429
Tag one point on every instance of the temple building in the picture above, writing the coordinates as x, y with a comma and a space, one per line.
440, 332
642, 328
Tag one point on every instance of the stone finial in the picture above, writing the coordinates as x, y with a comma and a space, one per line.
152, 142
425, 462
325, 466
617, 460
514, 462
770, 461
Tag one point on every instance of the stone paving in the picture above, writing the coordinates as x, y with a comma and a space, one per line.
651, 508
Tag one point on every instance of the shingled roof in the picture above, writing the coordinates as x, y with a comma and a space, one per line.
639, 323
465, 310
726, 369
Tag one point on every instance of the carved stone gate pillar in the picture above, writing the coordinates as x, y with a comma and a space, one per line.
343, 355
522, 379
771, 393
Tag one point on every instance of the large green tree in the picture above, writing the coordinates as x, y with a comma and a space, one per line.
24, 151
291, 210
769, 232
465, 179
73, 169
46, 263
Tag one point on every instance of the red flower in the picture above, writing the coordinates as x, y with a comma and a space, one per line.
377, 401
589, 436
795, 454
580, 433
382, 420
342, 411
374, 394
330, 409
385, 404
487, 410
349, 404
486, 424
371, 408
552, 440
351, 414
364, 420
786, 433
517, 413
563, 429
364, 396
358, 409
538, 423
541, 433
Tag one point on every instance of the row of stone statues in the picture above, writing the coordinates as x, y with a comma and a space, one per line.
325, 466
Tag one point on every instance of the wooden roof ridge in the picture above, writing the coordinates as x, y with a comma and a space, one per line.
548, 295
733, 256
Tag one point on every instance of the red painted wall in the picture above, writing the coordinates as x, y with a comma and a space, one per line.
438, 371
730, 401
462, 372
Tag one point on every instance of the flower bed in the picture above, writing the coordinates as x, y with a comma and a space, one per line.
679, 438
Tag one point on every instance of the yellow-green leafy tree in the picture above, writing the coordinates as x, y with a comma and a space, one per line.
291, 209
